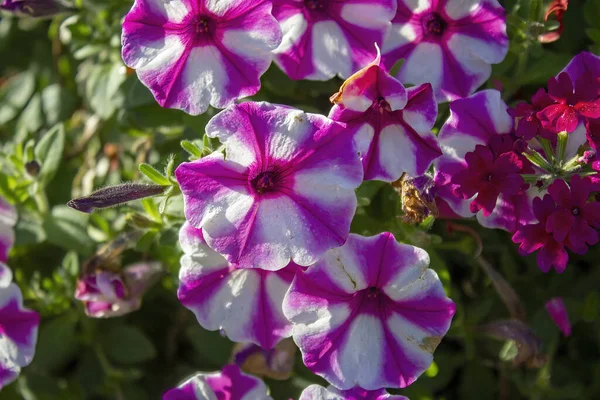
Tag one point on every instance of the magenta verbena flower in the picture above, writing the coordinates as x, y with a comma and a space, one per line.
574, 101
575, 220
18, 329
369, 314
479, 171
8, 219
244, 303
229, 383
317, 392
448, 43
324, 38
534, 237
558, 312
529, 125
391, 125
106, 294
285, 191
195, 53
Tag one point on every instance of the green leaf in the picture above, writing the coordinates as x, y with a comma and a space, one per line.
127, 345
56, 345
67, 228
49, 151
15, 94
191, 148
154, 175
58, 104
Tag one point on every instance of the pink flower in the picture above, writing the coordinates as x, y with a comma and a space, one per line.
284, 193
529, 125
316, 392
533, 237
479, 171
8, 219
558, 312
244, 303
195, 53
391, 125
369, 314
448, 43
574, 101
229, 383
18, 329
575, 218
324, 38
108, 294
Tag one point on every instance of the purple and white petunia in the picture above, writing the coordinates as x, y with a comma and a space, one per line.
324, 38
316, 392
244, 303
8, 219
229, 383
107, 294
18, 329
391, 124
284, 193
448, 43
195, 53
369, 314
481, 166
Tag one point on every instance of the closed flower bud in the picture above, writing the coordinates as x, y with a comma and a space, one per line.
115, 195
36, 8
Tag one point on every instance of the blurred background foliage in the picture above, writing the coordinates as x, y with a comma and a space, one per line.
69, 104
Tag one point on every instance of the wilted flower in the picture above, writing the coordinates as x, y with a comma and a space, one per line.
8, 219
106, 293
558, 312
36, 8
276, 363
558, 8
418, 198
391, 125
369, 314
324, 38
192, 54
528, 344
229, 383
448, 43
244, 303
284, 193
316, 392
18, 329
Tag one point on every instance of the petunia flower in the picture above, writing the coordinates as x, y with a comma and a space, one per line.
575, 220
244, 303
8, 219
284, 193
391, 125
316, 392
558, 312
369, 314
229, 383
194, 53
534, 237
107, 294
479, 171
18, 329
324, 38
448, 43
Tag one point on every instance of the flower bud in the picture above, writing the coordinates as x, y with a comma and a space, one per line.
115, 195
108, 294
36, 8
558, 312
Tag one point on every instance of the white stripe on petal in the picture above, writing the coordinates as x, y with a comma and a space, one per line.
424, 65
174, 11
204, 80
153, 57
331, 52
417, 344
367, 15
417, 6
363, 138
457, 9
293, 28
400, 34
397, 153
397, 286
361, 354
